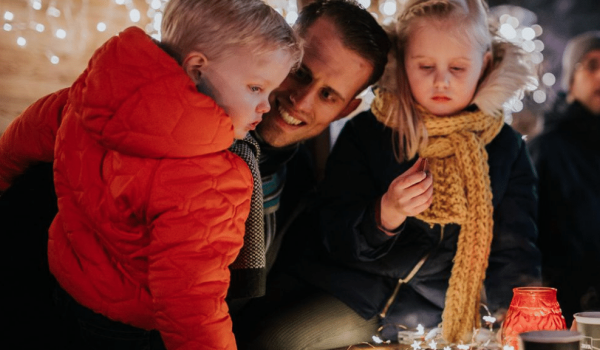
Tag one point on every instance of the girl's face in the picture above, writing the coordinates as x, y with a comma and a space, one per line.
443, 68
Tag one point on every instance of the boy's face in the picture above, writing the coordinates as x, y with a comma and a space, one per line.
443, 69
319, 92
241, 82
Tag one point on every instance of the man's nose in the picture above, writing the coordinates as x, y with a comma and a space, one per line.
302, 97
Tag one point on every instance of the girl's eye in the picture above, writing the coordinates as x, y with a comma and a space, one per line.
425, 67
255, 88
457, 69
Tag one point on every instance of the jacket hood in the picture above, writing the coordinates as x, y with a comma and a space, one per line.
135, 99
509, 74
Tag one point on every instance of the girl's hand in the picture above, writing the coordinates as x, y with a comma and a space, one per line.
409, 194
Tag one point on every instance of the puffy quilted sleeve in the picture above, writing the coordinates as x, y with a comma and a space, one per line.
197, 212
30, 137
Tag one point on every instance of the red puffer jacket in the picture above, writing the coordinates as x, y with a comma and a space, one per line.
152, 205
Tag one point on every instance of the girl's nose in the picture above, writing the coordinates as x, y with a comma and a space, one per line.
441, 80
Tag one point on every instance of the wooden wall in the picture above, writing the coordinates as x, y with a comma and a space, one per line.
26, 73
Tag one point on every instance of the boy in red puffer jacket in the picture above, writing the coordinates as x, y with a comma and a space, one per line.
152, 204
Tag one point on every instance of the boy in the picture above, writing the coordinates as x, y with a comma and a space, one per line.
151, 204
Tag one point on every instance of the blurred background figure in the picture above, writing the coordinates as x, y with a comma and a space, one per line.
567, 158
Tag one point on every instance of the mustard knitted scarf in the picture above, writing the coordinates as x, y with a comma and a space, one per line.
462, 195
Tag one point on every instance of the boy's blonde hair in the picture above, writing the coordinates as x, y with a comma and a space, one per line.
217, 27
468, 18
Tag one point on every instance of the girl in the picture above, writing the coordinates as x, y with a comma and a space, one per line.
428, 203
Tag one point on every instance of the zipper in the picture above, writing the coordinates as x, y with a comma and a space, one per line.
411, 274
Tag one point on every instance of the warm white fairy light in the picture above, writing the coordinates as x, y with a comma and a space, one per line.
54, 59
528, 33
508, 31
40, 27
155, 4
389, 7
21, 41
548, 79
101, 26
36, 5
7, 27
9, 16
539, 96
60, 33
134, 15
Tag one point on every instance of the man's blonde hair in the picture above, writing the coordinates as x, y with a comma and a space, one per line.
216, 27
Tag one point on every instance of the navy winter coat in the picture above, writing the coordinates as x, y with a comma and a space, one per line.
361, 265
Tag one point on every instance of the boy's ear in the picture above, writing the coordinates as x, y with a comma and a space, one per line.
350, 107
193, 64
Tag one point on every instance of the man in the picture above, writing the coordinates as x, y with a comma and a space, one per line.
567, 158
345, 51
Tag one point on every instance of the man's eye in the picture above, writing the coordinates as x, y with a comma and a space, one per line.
457, 69
425, 67
255, 88
302, 75
327, 95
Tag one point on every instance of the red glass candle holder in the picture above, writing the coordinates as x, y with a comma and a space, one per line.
531, 309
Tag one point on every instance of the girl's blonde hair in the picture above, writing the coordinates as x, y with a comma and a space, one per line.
217, 27
468, 18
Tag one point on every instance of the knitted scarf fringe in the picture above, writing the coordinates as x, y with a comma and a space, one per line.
461, 195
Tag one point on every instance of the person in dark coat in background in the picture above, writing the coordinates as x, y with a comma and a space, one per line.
567, 159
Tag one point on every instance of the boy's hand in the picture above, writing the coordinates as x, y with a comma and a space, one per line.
409, 194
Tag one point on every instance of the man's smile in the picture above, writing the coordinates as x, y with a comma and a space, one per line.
287, 117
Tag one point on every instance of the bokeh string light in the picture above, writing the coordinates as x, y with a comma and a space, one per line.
68, 19
518, 25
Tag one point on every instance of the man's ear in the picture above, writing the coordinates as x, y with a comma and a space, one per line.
350, 107
193, 64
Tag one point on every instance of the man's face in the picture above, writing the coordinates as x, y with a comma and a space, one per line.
585, 87
322, 90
